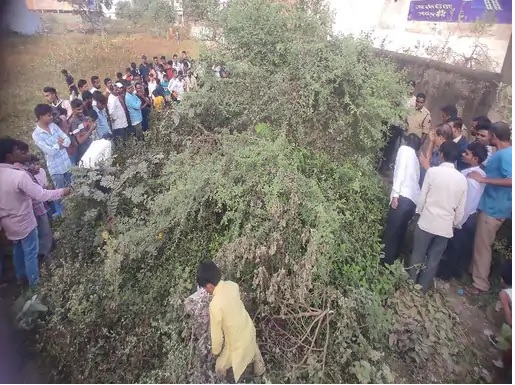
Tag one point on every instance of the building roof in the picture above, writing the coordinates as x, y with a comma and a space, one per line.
48, 5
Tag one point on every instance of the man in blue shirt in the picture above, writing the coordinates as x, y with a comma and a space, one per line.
103, 130
54, 143
494, 206
133, 104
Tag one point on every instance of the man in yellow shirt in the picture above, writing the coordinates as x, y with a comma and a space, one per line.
233, 335
158, 101
419, 119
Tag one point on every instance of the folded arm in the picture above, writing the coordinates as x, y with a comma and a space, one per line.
504, 182
50, 149
133, 103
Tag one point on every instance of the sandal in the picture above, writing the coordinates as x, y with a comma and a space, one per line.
474, 291
493, 340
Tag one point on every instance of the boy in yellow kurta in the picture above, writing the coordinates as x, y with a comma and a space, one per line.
231, 326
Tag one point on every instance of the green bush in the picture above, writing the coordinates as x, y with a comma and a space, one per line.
326, 92
157, 15
274, 218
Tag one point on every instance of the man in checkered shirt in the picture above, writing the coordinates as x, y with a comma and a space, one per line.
53, 142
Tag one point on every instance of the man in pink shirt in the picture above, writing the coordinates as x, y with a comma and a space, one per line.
17, 189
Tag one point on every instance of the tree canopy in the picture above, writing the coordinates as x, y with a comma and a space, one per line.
158, 15
289, 70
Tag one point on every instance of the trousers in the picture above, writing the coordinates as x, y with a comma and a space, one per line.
136, 130
396, 227
61, 181
25, 257
458, 254
255, 368
427, 251
486, 230
45, 236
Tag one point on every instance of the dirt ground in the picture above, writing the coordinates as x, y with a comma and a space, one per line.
476, 317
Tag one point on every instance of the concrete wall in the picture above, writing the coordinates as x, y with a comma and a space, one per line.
473, 91
387, 23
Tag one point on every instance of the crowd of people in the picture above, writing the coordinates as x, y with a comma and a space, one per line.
121, 106
65, 129
456, 183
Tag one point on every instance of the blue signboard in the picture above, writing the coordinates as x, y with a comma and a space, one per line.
466, 11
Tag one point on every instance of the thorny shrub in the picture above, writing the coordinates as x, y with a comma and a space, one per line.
272, 215
298, 232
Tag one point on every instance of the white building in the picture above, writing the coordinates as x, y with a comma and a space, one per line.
412, 26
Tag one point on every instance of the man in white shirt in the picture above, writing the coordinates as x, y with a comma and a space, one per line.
403, 199
176, 87
441, 206
176, 64
117, 114
95, 84
64, 106
459, 250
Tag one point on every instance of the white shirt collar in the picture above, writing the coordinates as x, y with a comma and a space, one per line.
39, 129
447, 164
456, 140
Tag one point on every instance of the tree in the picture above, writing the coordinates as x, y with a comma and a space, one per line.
199, 10
157, 15
91, 11
325, 91
123, 10
162, 14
